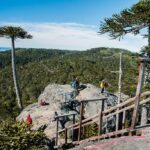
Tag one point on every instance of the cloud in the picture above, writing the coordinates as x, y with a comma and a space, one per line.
71, 36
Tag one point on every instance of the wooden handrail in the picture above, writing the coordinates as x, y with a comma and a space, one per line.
88, 123
65, 115
76, 124
92, 100
115, 110
125, 103
127, 108
111, 109
118, 106
112, 114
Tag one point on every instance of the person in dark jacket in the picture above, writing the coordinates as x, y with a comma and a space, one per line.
75, 83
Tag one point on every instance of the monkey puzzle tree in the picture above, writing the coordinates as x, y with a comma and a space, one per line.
131, 20
13, 33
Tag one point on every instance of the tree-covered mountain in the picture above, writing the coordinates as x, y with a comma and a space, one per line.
38, 67
25, 56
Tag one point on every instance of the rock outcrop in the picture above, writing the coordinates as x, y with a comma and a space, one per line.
54, 95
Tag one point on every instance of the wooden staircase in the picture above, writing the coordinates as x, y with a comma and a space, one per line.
131, 105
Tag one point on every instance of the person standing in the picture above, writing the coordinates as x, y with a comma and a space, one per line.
102, 86
75, 83
28, 119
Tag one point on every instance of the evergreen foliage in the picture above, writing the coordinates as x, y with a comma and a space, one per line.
131, 20
19, 136
90, 130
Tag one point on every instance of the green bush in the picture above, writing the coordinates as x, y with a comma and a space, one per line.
19, 136
90, 130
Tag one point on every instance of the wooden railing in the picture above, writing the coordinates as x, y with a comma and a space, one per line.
103, 115
130, 104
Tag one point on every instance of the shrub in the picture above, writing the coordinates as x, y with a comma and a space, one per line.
19, 136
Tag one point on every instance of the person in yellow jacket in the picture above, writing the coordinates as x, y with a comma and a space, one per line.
102, 86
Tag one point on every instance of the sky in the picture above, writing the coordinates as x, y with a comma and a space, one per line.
65, 24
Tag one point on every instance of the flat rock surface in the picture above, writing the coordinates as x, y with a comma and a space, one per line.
53, 94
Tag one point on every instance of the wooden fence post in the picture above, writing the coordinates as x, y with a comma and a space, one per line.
117, 121
101, 119
65, 135
83, 130
80, 123
56, 142
73, 127
138, 92
123, 119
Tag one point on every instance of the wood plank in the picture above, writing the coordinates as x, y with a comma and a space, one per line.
92, 100
117, 120
83, 121
127, 108
106, 116
64, 115
65, 135
56, 142
99, 123
118, 106
88, 123
73, 128
123, 119
138, 92
80, 122
112, 114
125, 103
101, 119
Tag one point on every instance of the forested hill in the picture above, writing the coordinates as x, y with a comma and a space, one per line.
37, 68
25, 56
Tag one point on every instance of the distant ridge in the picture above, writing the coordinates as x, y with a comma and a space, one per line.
4, 48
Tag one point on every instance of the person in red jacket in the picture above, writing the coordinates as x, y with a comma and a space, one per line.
28, 120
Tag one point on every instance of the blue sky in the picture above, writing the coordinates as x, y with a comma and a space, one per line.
79, 11
70, 19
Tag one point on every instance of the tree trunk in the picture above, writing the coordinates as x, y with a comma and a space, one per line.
15, 74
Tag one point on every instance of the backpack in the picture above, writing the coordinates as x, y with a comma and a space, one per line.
105, 83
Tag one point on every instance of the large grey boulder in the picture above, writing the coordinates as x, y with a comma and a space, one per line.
90, 93
54, 95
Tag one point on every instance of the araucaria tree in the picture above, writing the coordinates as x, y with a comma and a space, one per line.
131, 20
13, 33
